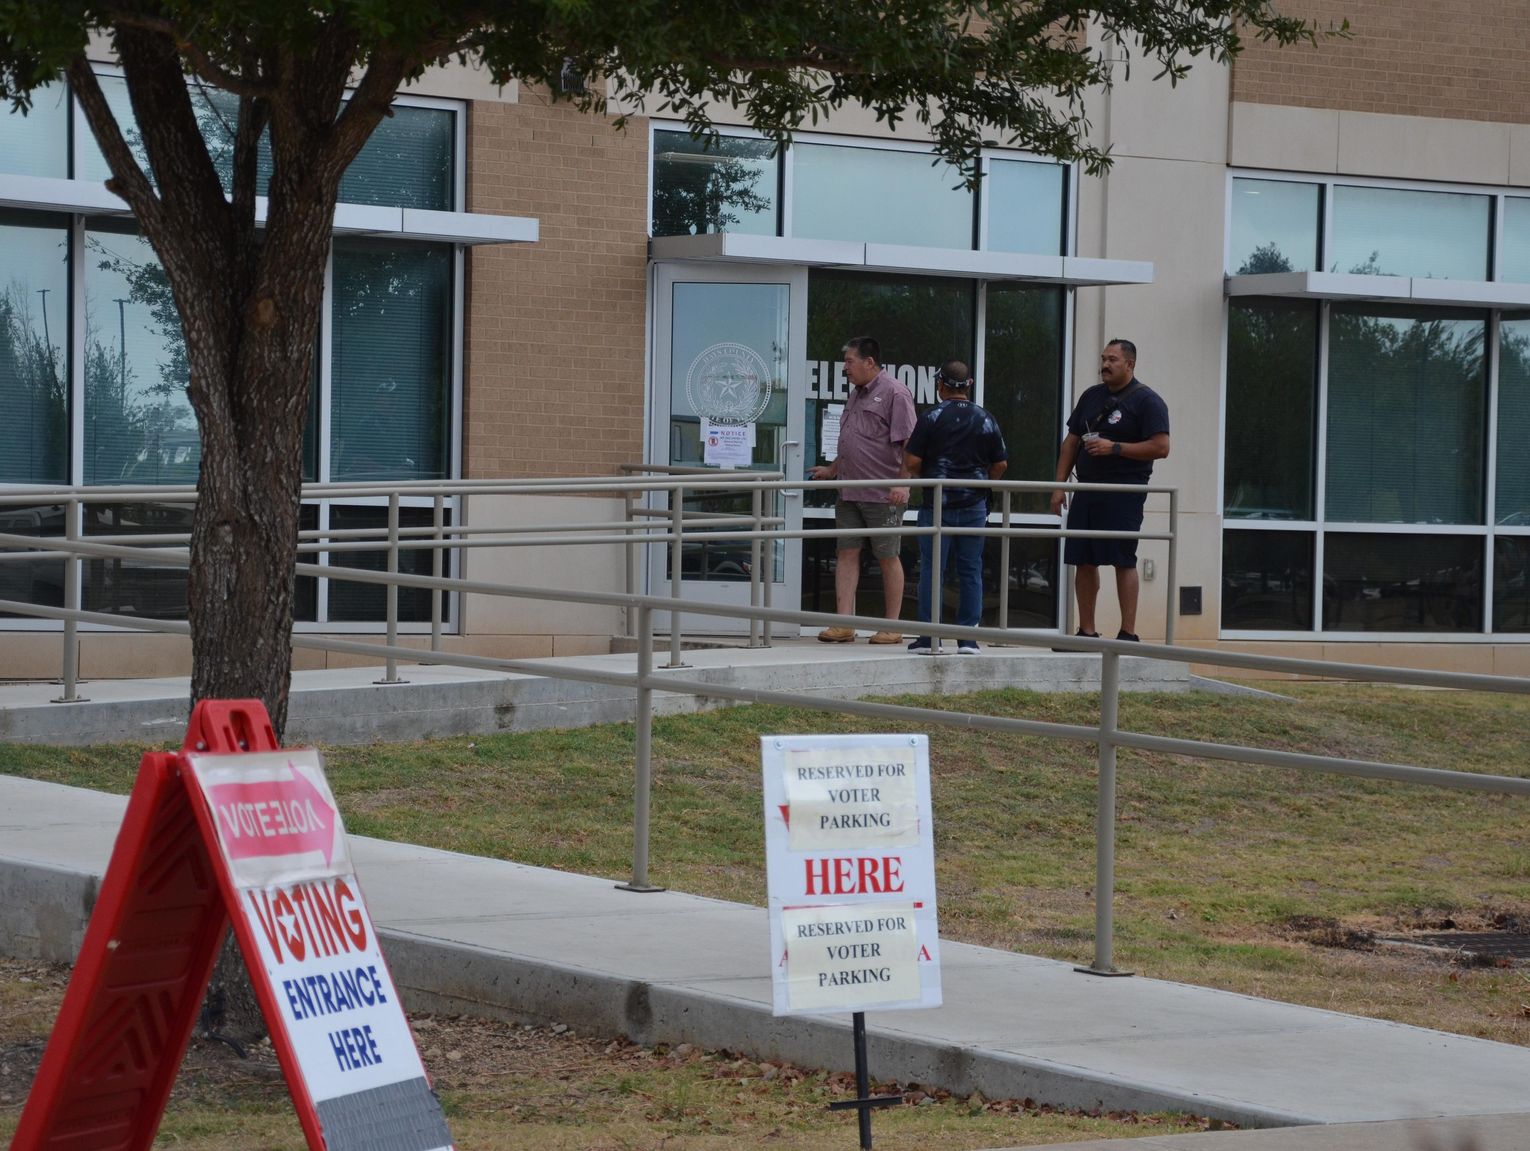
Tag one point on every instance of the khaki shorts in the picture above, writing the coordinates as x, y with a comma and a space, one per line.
852, 516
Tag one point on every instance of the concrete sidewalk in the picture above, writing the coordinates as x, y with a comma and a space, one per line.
465, 934
348, 705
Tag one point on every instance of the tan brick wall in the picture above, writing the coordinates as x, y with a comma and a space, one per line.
1462, 61
555, 330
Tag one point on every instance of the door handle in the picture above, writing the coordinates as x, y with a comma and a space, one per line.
788, 493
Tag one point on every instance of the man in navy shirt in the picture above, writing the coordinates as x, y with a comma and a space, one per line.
955, 439
1117, 429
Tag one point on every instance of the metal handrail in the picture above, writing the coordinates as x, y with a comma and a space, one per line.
646, 679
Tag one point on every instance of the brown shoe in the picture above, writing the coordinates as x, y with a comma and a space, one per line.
886, 637
837, 635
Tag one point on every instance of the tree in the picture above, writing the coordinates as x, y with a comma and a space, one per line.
249, 298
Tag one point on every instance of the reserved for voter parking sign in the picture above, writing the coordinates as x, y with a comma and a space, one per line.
850, 863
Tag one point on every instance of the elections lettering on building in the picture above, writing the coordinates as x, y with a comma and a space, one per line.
327, 991
851, 871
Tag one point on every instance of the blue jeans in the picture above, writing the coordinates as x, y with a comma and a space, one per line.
964, 553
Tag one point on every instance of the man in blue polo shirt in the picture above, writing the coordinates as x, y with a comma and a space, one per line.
1117, 429
958, 440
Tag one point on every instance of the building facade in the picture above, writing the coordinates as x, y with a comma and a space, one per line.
1322, 253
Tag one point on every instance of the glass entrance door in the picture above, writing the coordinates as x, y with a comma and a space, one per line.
730, 356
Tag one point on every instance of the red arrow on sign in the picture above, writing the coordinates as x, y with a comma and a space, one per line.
274, 817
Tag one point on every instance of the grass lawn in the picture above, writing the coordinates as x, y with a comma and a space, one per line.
1227, 876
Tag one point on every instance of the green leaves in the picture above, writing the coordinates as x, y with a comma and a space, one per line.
1011, 72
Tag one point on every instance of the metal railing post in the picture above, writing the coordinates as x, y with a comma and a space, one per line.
1168, 625
70, 669
755, 598
936, 591
1105, 820
1004, 560
642, 788
768, 576
390, 674
436, 599
676, 522
629, 556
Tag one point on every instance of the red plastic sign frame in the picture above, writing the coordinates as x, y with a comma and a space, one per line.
147, 957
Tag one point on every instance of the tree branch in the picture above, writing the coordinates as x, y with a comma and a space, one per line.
129, 180
203, 64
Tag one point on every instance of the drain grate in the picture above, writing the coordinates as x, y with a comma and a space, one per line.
1484, 944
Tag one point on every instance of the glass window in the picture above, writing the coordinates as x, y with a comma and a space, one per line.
1514, 254
139, 427
1271, 409
1267, 580
1512, 497
1020, 382
1406, 409
1025, 207
32, 581
37, 143
391, 360
132, 586
1274, 227
877, 196
920, 321
34, 342
350, 601
726, 184
1402, 583
1400, 232
407, 162
1511, 584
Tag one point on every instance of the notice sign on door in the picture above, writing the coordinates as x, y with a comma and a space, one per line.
851, 870
298, 900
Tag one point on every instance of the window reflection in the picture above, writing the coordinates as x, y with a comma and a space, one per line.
848, 194
1267, 580
134, 586
1020, 382
1271, 409
1402, 583
351, 601
37, 143
1514, 253
34, 342
1025, 207
139, 427
32, 581
1401, 232
1406, 408
391, 354
1511, 584
726, 184
1274, 226
1512, 496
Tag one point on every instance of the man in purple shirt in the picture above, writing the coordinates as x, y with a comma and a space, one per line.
878, 418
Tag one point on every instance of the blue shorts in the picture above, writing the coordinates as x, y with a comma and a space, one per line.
1103, 512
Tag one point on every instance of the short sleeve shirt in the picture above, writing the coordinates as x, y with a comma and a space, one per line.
1133, 414
957, 439
877, 421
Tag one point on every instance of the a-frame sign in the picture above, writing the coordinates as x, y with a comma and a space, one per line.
232, 827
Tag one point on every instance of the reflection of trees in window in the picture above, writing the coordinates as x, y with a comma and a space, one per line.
33, 447
1021, 377
1406, 402
1264, 260
1512, 498
707, 185
137, 431
1271, 408
392, 360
